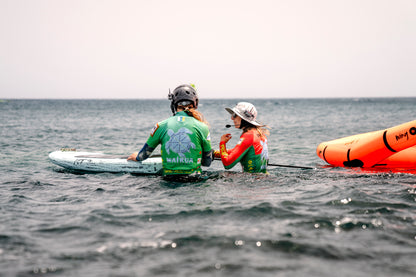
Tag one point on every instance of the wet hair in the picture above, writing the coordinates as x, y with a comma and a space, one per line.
191, 111
245, 125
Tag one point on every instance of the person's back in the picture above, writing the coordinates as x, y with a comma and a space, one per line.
183, 139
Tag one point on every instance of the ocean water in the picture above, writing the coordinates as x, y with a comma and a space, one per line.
324, 221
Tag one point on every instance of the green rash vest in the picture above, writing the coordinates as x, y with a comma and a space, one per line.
184, 139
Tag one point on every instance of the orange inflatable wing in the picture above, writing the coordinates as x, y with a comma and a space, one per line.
368, 149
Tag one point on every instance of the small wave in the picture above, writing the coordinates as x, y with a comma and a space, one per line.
111, 218
66, 199
288, 246
321, 250
62, 229
263, 210
409, 195
18, 199
342, 224
367, 204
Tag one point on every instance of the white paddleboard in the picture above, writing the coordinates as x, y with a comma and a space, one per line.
99, 162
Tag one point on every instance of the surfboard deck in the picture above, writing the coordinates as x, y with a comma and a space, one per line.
100, 162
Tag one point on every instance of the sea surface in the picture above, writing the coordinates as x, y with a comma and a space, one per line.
324, 221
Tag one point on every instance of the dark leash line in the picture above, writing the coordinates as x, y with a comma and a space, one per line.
280, 165
291, 166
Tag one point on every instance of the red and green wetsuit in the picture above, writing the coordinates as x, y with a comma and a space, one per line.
251, 151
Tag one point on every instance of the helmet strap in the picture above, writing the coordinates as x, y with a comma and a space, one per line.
173, 108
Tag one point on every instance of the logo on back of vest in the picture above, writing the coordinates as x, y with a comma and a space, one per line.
179, 142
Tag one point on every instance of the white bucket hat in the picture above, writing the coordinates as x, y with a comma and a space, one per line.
246, 111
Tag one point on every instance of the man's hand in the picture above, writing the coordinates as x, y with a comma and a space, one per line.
133, 156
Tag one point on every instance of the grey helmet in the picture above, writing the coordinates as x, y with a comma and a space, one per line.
184, 94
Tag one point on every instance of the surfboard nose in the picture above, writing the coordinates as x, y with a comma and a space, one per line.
53, 155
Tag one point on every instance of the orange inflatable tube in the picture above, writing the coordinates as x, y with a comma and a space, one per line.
371, 149
403, 159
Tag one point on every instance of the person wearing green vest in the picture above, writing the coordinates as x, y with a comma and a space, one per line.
184, 137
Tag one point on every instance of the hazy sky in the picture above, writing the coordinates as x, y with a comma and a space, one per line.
228, 48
